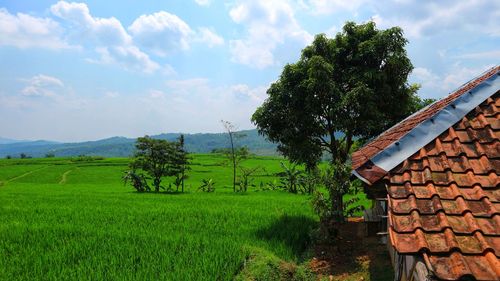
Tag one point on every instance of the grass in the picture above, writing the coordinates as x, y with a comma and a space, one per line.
75, 220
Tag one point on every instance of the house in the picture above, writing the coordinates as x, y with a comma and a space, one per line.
435, 174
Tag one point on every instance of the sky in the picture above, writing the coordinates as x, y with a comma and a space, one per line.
74, 71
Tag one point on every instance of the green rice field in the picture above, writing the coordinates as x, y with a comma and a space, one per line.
62, 219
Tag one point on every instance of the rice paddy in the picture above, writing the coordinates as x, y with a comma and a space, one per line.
63, 219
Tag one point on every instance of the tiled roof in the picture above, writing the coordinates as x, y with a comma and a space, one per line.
361, 159
444, 200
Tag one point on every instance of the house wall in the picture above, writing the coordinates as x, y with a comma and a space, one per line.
409, 267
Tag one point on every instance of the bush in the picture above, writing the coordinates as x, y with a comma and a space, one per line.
208, 185
138, 181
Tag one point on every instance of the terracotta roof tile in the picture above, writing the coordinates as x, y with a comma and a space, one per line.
485, 267
444, 200
395, 133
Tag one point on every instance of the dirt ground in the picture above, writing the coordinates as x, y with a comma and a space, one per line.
354, 257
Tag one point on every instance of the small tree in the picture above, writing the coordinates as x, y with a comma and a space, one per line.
138, 181
23, 156
245, 179
8, 157
234, 155
180, 163
154, 157
208, 185
291, 177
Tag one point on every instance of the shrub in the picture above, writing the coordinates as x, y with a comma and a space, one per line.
138, 181
208, 185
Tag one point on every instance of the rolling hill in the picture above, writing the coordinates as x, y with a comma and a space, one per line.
123, 147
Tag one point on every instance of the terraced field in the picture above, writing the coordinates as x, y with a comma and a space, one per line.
63, 219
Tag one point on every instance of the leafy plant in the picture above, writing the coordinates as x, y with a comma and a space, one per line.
310, 180
208, 185
245, 180
180, 164
290, 177
336, 180
138, 181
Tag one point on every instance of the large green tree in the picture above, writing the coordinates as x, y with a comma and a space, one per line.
155, 157
343, 88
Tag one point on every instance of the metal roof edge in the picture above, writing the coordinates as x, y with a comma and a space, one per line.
428, 130
360, 177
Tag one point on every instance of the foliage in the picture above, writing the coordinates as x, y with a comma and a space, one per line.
310, 181
23, 156
180, 163
416, 103
355, 83
352, 86
155, 157
85, 158
208, 185
8, 157
291, 177
336, 180
263, 265
50, 155
138, 181
245, 180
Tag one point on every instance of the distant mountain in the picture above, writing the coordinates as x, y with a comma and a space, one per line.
123, 147
7, 141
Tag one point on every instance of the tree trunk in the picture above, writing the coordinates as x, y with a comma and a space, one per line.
234, 161
156, 183
182, 180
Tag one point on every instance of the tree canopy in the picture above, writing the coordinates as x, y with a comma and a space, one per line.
352, 85
158, 158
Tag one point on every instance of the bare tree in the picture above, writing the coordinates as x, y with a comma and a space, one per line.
235, 155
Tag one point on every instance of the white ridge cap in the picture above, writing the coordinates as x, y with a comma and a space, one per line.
428, 130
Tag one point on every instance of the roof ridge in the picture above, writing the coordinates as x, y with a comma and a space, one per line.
464, 85
422, 127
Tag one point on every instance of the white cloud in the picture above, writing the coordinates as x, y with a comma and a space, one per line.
156, 94
424, 19
203, 2
440, 85
189, 105
104, 31
459, 74
268, 24
418, 18
114, 44
25, 31
199, 99
480, 55
333, 6
208, 36
42, 86
129, 57
161, 32
430, 82
111, 94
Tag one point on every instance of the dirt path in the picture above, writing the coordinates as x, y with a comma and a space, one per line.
64, 176
22, 176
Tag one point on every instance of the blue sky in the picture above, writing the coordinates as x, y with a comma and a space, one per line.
72, 71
